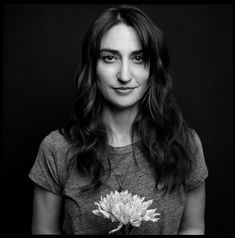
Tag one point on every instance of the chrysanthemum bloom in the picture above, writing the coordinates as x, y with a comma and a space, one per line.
126, 209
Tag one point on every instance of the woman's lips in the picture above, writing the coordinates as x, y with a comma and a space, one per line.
124, 90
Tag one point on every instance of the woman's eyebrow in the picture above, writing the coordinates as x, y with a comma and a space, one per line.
137, 52
118, 53
110, 51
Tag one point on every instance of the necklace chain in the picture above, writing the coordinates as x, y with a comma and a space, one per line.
121, 185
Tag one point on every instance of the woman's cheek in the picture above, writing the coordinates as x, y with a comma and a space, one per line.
105, 72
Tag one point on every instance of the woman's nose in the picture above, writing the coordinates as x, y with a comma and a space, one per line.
124, 74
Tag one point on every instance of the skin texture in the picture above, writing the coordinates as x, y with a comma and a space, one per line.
46, 212
192, 222
120, 66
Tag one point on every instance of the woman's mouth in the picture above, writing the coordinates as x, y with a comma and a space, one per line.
124, 90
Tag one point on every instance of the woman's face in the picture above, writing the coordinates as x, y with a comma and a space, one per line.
121, 71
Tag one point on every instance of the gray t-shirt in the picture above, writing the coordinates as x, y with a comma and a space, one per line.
50, 171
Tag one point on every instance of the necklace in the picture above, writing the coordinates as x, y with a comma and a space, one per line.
120, 188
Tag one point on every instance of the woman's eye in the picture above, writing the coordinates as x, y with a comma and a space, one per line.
108, 58
138, 59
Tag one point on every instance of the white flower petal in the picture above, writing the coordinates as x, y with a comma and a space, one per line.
147, 204
118, 228
135, 223
105, 214
150, 215
113, 218
96, 212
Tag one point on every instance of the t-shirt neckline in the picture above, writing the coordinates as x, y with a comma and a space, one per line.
122, 149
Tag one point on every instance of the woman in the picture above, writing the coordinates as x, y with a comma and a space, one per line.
126, 132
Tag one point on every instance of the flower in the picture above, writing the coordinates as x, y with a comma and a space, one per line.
126, 209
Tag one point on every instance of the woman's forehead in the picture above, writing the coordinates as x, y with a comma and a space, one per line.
121, 37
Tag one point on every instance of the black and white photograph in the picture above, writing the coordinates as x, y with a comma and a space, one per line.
117, 119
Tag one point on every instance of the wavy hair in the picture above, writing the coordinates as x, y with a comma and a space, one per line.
165, 136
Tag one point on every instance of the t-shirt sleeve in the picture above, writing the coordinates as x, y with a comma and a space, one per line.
45, 169
199, 171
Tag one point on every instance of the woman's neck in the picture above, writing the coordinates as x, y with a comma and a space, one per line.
119, 124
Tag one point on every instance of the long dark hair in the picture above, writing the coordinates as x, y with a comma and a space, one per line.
165, 136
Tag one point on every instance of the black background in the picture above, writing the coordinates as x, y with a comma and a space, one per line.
41, 46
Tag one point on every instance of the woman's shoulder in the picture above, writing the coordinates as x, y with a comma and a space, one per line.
55, 141
194, 139
199, 170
